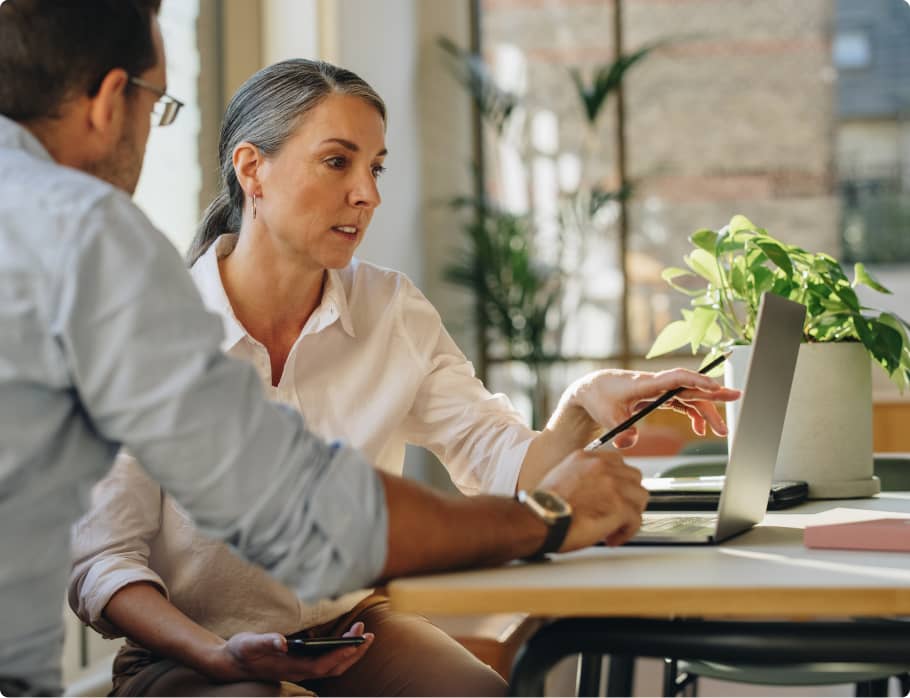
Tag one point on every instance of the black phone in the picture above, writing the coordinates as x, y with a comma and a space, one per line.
314, 646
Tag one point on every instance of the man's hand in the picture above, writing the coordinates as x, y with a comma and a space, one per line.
263, 656
603, 399
606, 496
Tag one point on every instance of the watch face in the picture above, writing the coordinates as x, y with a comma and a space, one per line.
555, 506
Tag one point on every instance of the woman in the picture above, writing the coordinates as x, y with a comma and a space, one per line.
365, 357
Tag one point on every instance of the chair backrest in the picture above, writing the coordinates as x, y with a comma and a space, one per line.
695, 469
894, 472
704, 447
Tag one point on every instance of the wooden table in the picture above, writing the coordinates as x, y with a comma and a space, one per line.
761, 575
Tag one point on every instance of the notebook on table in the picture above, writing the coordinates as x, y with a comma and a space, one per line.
890, 534
753, 453
703, 493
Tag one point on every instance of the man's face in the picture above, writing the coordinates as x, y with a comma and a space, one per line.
123, 165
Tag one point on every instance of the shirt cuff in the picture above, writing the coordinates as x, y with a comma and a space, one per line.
100, 585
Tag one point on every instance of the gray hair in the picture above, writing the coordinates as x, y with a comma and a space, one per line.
266, 111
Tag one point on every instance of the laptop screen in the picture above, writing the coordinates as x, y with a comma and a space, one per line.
760, 422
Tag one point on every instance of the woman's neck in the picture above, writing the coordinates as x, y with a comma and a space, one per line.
272, 296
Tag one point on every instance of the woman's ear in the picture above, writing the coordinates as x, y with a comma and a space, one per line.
107, 110
247, 159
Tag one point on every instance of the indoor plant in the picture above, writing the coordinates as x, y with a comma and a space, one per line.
828, 434
524, 290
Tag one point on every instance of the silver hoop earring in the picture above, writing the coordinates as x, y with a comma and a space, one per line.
254, 206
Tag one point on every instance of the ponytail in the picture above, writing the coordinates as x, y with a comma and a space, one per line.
219, 218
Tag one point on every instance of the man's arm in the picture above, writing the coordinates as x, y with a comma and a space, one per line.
429, 531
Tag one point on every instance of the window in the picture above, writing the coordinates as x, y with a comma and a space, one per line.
851, 50
171, 181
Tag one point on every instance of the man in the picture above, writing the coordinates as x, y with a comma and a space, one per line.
104, 341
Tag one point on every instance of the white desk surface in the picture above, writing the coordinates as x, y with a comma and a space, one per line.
764, 573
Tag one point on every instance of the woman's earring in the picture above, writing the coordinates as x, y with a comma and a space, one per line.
254, 206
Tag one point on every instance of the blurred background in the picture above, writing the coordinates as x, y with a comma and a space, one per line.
795, 114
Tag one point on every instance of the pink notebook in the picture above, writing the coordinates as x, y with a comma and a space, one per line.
878, 534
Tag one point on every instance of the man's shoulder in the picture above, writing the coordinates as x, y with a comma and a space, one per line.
48, 187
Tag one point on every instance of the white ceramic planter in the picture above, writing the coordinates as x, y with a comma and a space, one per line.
827, 438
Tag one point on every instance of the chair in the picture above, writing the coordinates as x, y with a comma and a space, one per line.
494, 639
705, 447
870, 679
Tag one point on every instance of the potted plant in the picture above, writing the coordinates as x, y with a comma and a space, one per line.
827, 437
520, 286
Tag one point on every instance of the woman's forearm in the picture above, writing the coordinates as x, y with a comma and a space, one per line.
142, 613
569, 428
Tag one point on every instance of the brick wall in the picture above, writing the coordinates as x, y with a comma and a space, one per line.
734, 115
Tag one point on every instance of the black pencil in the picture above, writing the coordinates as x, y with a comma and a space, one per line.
669, 395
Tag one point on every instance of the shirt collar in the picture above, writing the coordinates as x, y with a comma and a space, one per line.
205, 272
334, 295
15, 135
208, 280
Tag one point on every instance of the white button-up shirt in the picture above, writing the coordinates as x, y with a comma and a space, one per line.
375, 368
104, 341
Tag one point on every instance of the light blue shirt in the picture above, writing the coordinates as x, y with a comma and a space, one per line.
104, 341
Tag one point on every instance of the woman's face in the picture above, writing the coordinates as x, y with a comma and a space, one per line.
319, 192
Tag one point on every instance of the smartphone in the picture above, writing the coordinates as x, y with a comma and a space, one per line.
314, 646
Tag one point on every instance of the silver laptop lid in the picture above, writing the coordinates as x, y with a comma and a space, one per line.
753, 453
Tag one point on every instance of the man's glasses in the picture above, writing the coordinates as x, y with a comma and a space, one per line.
166, 108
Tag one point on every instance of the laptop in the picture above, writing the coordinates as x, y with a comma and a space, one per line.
753, 453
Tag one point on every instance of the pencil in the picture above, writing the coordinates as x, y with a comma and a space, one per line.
669, 395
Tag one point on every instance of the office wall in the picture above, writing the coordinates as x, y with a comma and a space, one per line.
378, 41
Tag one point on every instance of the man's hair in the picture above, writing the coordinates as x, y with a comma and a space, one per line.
55, 50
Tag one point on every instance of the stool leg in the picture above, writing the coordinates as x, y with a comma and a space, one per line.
587, 681
621, 676
669, 677
872, 689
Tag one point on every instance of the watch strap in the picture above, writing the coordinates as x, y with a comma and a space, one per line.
556, 534
557, 528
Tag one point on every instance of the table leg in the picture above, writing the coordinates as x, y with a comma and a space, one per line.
756, 642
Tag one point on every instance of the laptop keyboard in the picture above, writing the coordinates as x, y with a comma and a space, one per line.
675, 525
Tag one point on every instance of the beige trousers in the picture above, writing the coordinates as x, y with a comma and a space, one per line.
409, 657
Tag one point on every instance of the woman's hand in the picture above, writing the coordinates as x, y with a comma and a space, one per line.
263, 656
601, 400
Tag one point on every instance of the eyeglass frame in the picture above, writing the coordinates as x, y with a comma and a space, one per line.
170, 105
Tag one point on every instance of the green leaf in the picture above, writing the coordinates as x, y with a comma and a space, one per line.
739, 223
895, 323
776, 254
762, 280
671, 273
705, 265
673, 336
705, 239
714, 337
888, 345
862, 276
738, 281
606, 80
699, 321
782, 287
493, 103
848, 296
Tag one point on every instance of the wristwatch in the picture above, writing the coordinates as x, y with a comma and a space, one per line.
554, 511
